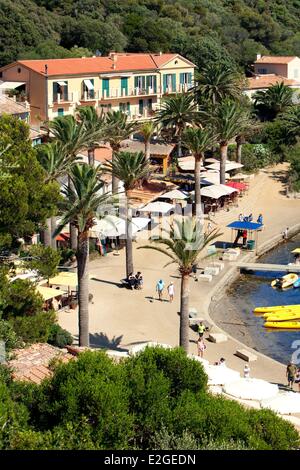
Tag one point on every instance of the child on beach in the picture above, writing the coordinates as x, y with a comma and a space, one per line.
200, 346
171, 291
246, 372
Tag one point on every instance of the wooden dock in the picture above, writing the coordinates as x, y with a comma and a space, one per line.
292, 268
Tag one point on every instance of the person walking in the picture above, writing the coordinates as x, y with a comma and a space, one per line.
260, 219
139, 280
201, 329
246, 372
200, 346
285, 233
159, 288
291, 371
171, 291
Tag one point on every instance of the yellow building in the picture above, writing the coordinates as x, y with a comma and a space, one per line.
133, 83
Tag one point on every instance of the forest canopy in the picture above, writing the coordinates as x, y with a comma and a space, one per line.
202, 30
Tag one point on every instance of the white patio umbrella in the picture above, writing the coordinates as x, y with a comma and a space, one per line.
211, 160
284, 403
221, 375
137, 348
115, 226
187, 163
229, 166
251, 389
158, 207
175, 194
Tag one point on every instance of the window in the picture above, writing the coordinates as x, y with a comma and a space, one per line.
169, 82
262, 71
124, 86
141, 107
88, 89
105, 87
151, 83
186, 79
60, 112
19, 70
60, 91
140, 83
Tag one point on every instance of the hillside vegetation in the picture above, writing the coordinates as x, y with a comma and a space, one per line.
202, 30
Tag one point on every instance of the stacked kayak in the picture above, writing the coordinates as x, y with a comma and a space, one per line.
281, 316
277, 308
285, 281
285, 325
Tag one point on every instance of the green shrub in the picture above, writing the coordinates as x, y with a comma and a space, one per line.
19, 298
35, 329
294, 173
256, 156
59, 337
8, 336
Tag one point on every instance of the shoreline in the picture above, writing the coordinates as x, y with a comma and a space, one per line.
236, 327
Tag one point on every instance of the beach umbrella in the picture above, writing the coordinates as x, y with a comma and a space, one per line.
175, 194
221, 375
137, 348
284, 403
251, 389
229, 166
158, 206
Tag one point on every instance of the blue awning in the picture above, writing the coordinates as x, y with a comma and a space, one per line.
238, 225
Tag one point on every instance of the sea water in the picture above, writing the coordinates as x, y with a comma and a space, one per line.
254, 290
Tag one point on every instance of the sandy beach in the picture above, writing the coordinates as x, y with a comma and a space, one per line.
120, 318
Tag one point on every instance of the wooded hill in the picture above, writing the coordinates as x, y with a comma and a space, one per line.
202, 30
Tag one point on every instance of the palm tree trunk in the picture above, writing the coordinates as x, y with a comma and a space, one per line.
115, 181
223, 152
238, 150
72, 229
198, 210
83, 289
91, 156
179, 147
46, 233
184, 313
147, 149
53, 228
129, 254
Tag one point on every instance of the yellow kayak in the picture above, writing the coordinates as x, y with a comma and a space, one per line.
286, 281
276, 308
287, 325
270, 317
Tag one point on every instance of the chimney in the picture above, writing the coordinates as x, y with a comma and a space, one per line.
160, 53
258, 56
113, 56
46, 69
114, 66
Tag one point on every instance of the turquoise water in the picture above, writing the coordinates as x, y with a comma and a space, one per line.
254, 290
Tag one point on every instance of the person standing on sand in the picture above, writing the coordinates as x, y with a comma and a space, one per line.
291, 371
285, 234
171, 291
159, 288
297, 379
246, 372
200, 346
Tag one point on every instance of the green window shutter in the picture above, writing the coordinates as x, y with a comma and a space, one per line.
143, 82
136, 82
55, 87
148, 82
165, 83
124, 85
190, 78
141, 106
182, 79
173, 82
128, 108
154, 83
60, 111
105, 86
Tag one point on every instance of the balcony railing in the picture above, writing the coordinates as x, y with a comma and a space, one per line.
126, 93
182, 88
90, 95
63, 98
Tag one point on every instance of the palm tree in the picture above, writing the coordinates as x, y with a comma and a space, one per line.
292, 120
198, 140
184, 246
228, 120
175, 114
118, 129
57, 164
80, 204
74, 137
95, 127
131, 169
217, 82
147, 130
275, 100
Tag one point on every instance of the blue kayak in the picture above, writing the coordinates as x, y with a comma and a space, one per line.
297, 283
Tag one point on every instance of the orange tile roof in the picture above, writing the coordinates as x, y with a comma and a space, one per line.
265, 81
10, 106
90, 65
269, 59
31, 363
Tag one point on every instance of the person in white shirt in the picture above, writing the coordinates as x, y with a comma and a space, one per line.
171, 291
246, 372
